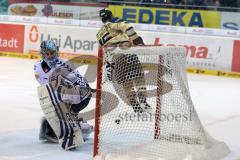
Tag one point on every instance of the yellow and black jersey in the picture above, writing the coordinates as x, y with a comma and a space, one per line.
115, 33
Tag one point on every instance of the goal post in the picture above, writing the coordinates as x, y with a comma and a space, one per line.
98, 101
144, 109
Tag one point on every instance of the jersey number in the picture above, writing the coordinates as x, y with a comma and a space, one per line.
104, 39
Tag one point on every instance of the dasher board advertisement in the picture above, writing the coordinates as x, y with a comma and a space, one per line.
231, 20
166, 16
12, 38
55, 10
206, 52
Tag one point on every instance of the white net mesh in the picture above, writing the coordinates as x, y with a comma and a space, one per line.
146, 110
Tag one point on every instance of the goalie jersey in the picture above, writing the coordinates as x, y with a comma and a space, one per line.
117, 32
45, 74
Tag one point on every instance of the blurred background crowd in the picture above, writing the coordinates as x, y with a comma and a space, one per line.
231, 3
226, 3
188, 3
7, 6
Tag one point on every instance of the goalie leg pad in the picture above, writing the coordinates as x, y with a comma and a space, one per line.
46, 131
58, 115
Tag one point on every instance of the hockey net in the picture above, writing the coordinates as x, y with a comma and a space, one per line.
169, 129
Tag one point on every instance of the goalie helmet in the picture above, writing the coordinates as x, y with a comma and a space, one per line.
105, 14
49, 52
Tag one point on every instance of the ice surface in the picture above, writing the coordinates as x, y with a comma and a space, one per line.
216, 100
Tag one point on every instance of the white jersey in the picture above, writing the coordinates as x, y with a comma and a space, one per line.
65, 68
43, 74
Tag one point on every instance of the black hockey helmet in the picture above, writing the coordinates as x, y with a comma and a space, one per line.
105, 14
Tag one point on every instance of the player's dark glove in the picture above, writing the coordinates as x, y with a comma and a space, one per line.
138, 41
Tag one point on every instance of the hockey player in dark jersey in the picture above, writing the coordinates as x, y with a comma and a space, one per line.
68, 92
116, 32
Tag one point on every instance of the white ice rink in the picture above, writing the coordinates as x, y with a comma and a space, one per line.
217, 101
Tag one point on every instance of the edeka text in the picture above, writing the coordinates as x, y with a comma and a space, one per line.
163, 17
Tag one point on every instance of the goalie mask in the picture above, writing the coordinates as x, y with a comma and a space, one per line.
105, 14
49, 52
